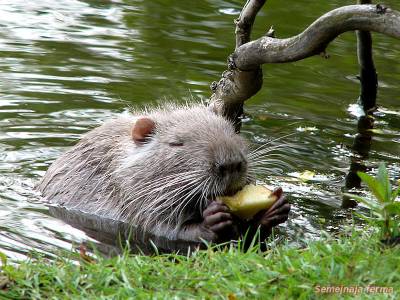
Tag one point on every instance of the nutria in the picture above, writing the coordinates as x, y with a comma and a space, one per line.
161, 170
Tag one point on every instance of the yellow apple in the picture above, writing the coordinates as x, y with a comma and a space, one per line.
249, 201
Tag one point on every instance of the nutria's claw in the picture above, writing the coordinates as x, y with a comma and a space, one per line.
278, 192
271, 221
216, 219
213, 208
278, 213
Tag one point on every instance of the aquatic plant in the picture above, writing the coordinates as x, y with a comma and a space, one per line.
384, 209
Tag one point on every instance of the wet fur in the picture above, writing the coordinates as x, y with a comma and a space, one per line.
155, 186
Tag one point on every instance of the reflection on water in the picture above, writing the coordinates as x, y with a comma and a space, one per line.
67, 65
110, 236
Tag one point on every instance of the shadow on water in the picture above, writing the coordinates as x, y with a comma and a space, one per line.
113, 234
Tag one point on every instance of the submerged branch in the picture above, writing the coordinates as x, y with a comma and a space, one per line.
368, 76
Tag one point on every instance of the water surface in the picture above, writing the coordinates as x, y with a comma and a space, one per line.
65, 66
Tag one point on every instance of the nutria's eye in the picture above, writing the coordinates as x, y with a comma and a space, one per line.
176, 144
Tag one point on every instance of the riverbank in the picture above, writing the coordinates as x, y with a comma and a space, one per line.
350, 266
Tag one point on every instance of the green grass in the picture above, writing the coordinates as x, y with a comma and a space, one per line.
284, 272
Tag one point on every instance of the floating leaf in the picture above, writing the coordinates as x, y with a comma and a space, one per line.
375, 130
306, 175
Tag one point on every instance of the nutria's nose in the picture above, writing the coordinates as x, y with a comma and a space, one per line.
230, 167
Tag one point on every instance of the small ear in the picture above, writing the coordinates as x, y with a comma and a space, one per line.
142, 129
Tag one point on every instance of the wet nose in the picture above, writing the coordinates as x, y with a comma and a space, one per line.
230, 167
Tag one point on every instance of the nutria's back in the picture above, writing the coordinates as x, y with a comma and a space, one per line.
157, 169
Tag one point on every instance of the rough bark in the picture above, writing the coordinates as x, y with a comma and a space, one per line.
318, 35
237, 86
243, 78
245, 21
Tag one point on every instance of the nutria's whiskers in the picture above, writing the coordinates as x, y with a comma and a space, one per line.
157, 169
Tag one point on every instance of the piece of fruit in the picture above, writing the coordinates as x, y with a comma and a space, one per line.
249, 201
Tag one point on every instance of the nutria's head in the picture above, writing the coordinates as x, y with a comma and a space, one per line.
194, 141
181, 158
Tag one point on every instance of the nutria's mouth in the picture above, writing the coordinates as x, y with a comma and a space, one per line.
229, 191
232, 191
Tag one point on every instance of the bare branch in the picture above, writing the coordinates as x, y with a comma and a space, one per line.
237, 86
245, 21
318, 35
244, 77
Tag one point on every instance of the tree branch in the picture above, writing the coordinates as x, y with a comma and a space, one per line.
243, 79
245, 21
317, 36
368, 76
237, 86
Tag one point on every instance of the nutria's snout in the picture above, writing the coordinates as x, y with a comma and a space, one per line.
232, 174
231, 168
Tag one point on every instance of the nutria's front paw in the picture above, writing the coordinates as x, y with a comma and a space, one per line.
278, 213
217, 222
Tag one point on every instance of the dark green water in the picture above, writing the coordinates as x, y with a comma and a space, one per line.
65, 66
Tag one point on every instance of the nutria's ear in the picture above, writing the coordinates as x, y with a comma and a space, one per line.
142, 129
